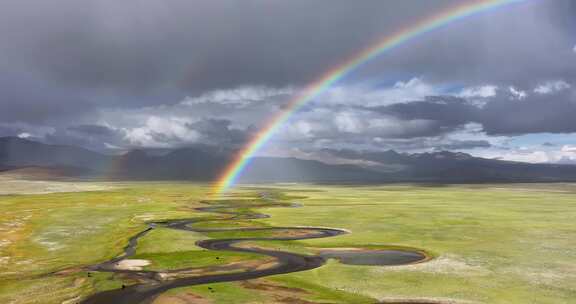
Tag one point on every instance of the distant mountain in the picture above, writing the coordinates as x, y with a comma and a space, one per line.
205, 163
43, 173
198, 163
274, 169
19, 152
445, 166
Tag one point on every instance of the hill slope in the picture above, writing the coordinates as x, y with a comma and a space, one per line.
205, 163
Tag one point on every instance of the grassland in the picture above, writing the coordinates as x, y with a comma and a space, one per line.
491, 243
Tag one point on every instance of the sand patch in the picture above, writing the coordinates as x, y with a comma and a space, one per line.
434, 300
5, 243
184, 298
277, 293
546, 277
131, 264
267, 286
446, 264
249, 265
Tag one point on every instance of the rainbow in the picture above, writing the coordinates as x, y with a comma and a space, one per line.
314, 89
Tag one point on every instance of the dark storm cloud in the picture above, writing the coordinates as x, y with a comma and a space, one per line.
26, 98
64, 58
219, 131
65, 62
452, 111
445, 113
551, 113
9, 131
521, 44
214, 132
92, 130
95, 137
144, 44
500, 115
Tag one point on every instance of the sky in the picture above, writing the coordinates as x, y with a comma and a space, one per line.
114, 75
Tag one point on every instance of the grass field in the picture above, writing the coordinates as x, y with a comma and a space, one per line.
490, 243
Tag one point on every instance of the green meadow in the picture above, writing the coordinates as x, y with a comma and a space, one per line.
488, 243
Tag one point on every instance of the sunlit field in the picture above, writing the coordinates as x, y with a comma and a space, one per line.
483, 243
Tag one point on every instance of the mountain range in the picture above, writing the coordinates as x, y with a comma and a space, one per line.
205, 163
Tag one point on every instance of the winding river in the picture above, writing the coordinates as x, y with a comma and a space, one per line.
151, 284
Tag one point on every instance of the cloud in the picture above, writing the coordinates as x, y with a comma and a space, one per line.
464, 145
242, 96
565, 154
186, 44
354, 125
501, 114
535, 114
9, 131
370, 94
94, 137
219, 132
551, 87
103, 73
107, 74
92, 130
516, 93
568, 149
449, 112
229, 117
526, 155
478, 91
372, 119
162, 132
391, 156
149, 52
